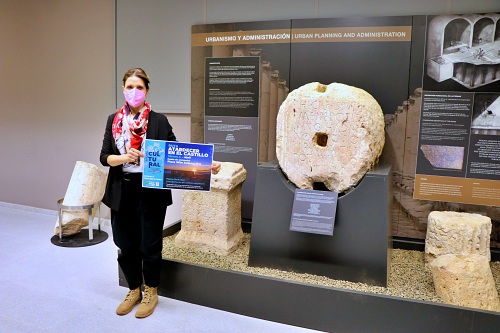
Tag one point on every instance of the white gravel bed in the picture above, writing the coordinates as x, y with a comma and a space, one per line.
408, 277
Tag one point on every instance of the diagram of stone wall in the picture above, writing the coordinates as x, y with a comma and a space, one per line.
465, 48
410, 215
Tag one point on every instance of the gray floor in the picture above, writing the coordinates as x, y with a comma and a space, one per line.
47, 288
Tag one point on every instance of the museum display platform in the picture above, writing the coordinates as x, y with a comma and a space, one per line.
312, 306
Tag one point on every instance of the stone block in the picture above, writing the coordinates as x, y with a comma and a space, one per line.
86, 186
329, 134
211, 221
465, 280
457, 233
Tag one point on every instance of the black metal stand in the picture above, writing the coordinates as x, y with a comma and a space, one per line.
79, 239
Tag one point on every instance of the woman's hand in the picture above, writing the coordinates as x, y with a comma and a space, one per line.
215, 167
131, 156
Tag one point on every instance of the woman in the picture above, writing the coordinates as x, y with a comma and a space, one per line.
137, 213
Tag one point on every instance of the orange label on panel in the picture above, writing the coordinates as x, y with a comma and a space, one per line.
461, 190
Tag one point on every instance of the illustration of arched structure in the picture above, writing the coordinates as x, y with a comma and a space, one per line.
465, 48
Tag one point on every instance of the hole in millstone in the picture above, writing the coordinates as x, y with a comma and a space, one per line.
321, 139
320, 186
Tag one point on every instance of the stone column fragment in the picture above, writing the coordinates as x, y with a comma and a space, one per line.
465, 280
457, 233
282, 92
273, 113
265, 87
241, 51
211, 221
85, 187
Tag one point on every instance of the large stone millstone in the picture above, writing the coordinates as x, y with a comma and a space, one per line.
329, 134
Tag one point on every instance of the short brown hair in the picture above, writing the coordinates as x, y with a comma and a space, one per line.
140, 73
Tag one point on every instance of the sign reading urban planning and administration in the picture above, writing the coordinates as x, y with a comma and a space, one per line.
177, 165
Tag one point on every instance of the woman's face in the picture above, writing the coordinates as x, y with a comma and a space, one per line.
135, 82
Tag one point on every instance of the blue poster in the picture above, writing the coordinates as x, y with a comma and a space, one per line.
177, 165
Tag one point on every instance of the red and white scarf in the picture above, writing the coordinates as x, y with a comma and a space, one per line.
129, 130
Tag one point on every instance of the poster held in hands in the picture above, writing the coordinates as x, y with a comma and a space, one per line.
177, 165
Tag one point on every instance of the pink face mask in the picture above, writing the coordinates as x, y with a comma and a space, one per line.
134, 97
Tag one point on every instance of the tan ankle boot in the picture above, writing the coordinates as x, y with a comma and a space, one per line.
148, 304
133, 297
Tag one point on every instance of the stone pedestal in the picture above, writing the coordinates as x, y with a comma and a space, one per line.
211, 221
457, 233
465, 280
85, 187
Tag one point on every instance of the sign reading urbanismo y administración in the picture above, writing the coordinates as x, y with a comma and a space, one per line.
177, 165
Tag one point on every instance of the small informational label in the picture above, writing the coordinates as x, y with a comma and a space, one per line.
177, 165
314, 212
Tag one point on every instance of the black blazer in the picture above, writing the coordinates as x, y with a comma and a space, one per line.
158, 129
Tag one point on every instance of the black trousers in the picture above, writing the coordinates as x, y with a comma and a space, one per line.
137, 231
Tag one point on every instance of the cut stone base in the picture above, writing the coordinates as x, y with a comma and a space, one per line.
457, 233
211, 221
465, 280
208, 243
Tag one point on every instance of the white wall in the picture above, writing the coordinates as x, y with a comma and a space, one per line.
57, 60
57, 86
